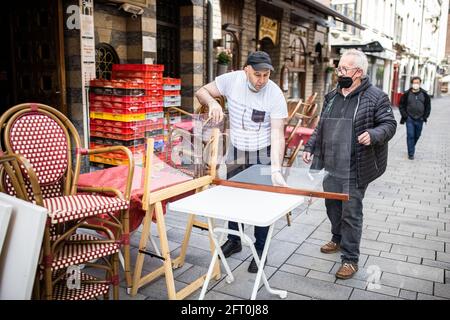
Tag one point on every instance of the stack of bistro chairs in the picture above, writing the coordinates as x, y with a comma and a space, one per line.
302, 119
186, 130
86, 228
299, 126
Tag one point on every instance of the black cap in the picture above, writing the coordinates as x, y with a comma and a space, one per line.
259, 60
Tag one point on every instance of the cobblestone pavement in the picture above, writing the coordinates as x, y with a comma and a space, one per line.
405, 247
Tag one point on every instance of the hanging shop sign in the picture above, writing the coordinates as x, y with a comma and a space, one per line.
268, 28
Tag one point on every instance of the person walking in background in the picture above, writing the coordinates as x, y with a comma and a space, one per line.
415, 108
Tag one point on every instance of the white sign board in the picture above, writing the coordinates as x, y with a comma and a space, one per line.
87, 41
20, 254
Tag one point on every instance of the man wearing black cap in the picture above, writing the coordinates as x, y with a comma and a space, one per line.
257, 109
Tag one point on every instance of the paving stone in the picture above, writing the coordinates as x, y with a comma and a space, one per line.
321, 235
157, 290
408, 283
442, 290
409, 295
412, 251
417, 230
407, 269
394, 256
308, 262
408, 241
421, 296
354, 283
314, 218
368, 295
376, 245
310, 287
212, 295
445, 257
279, 252
264, 295
309, 249
321, 276
380, 224
371, 252
402, 233
294, 269
243, 283
381, 289
379, 229
296, 233
315, 241
436, 264
415, 222
384, 208
370, 234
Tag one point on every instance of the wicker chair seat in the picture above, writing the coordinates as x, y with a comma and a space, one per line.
87, 290
69, 208
78, 253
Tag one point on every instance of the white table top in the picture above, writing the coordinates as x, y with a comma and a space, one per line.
259, 208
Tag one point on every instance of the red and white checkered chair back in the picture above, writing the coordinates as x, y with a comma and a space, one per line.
42, 141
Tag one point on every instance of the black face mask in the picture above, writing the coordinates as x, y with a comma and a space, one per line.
345, 82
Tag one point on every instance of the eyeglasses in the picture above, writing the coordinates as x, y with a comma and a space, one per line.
243, 126
343, 70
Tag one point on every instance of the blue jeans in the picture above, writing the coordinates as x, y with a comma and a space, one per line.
248, 159
346, 217
413, 132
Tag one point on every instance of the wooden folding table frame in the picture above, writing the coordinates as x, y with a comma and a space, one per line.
152, 202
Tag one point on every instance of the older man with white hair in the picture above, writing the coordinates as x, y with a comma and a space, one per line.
372, 124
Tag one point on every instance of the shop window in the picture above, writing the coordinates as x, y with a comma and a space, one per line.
105, 57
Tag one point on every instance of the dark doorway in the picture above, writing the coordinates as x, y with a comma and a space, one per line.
31, 64
168, 37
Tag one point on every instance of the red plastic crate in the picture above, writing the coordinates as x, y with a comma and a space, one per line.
138, 67
117, 136
136, 75
172, 81
125, 131
172, 93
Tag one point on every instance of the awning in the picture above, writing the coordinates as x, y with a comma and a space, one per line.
329, 12
374, 46
315, 5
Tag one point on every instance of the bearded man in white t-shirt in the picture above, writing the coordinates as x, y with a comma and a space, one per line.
257, 110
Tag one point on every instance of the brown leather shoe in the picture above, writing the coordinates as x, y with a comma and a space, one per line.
330, 247
347, 270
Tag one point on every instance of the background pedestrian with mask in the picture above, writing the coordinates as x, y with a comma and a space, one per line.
415, 108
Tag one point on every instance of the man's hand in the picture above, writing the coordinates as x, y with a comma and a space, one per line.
215, 111
278, 180
364, 139
307, 157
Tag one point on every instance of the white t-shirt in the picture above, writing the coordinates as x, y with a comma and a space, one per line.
245, 133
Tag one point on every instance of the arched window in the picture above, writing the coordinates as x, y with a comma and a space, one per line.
105, 57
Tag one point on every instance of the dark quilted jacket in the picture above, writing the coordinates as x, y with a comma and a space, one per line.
373, 115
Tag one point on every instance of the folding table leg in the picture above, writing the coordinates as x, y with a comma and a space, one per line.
165, 251
281, 293
142, 246
217, 252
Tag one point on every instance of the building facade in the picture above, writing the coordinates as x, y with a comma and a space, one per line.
54, 47
410, 34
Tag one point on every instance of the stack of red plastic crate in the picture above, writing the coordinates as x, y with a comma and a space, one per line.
172, 92
151, 75
126, 110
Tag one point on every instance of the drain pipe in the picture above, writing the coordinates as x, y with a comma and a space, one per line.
210, 42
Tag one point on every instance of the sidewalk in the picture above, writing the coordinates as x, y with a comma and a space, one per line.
405, 248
